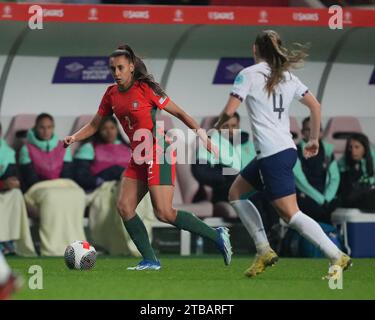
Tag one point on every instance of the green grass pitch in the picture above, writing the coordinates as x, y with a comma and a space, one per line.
203, 277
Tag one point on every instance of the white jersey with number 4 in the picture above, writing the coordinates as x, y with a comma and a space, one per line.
269, 114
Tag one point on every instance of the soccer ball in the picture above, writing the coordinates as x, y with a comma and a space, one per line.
80, 255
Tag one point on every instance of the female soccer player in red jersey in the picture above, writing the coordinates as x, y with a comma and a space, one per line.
134, 99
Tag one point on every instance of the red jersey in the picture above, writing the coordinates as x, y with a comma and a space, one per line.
135, 108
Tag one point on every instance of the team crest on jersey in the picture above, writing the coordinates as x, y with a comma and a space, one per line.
135, 105
239, 79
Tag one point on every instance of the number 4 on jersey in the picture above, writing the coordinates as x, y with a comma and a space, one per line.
279, 109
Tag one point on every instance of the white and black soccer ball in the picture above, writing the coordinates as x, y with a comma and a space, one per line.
80, 255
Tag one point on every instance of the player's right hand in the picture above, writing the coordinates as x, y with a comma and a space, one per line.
68, 140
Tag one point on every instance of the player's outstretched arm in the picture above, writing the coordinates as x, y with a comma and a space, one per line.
179, 113
230, 108
85, 132
312, 147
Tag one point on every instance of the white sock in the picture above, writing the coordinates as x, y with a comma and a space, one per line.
311, 230
4, 269
252, 221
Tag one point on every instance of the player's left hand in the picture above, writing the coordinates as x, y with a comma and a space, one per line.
311, 149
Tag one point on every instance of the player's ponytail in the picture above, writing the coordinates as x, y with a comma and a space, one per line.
269, 48
140, 72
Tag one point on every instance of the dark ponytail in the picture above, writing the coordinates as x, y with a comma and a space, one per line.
280, 59
140, 71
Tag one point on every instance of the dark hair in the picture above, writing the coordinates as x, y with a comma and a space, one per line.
304, 121
364, 141
236, 115
307, 119
97, 137
140, 71
43, 116
270, 48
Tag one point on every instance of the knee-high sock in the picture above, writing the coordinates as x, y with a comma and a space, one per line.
188, 221
252, 221
138, 233
311, 230
4, 269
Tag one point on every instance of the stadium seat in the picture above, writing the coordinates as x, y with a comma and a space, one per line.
295, 129
185, 185
202, 209
79, 122
16, 133
337, 131
223, 209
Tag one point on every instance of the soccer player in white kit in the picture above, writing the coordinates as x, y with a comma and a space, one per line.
268, 88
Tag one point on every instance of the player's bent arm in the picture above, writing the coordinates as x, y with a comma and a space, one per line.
176, 111
230, 108
89, 129
85, 132
313, 104
312, 147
